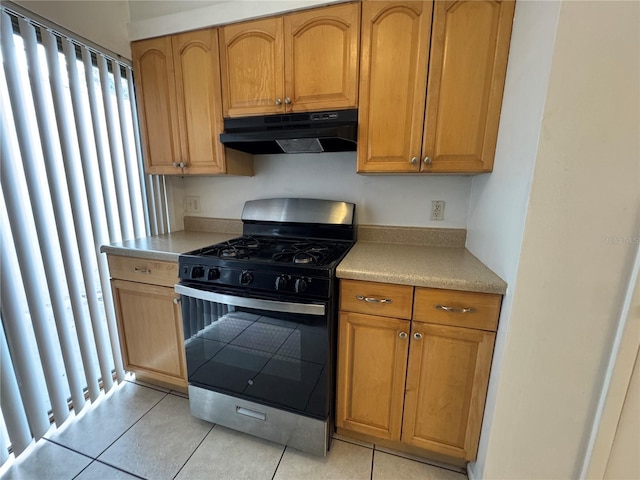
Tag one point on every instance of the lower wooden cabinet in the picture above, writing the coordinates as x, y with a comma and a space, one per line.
372, 352
409, 381
149, 319
447, 379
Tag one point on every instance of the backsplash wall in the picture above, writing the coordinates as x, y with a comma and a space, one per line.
402, 200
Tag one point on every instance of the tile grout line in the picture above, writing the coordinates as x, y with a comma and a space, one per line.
134, 423
95, 460
373, 456
194, 450
279, 461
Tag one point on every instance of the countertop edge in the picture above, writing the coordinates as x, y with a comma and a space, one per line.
140, 253
410, 280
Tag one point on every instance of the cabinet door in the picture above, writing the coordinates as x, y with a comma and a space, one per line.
199, 100
321, 58
156, 99
447, 380
469, 49
393, 82
150, 328
252, 64
372, 362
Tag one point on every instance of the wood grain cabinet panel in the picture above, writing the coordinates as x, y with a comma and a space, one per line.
456, 308
157, 104
293, 63
393, 84
252, 63
441, 405
197, 71
467, 68
447, 381
179, 102
466, 44
143, 270
381, 299
321, 58
150, 329
372, 362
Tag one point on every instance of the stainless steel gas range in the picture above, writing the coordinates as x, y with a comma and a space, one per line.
259, 316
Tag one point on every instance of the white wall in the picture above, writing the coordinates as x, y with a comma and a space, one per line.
580, 232
380, 200
104, 23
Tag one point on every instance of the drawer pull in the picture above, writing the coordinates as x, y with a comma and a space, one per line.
141, 270
454, 309
176, 300
372, 299
251, 413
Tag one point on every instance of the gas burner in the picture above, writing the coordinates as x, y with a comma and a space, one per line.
302, 253
304, 257
233, 252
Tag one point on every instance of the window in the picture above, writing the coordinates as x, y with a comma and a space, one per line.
71, 180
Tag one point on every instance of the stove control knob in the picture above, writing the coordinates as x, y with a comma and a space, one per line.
197, 272
281, 282
300, 285
246, 277
213, 274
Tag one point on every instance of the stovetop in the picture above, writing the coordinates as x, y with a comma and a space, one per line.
290, 265
280, 251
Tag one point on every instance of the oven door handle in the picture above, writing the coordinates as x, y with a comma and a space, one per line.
257, 303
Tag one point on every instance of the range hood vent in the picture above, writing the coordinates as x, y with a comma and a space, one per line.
314, 132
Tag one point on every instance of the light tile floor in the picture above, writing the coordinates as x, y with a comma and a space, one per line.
139, 431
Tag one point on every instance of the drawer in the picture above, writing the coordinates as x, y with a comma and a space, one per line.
458, 309
154, 272
376, 298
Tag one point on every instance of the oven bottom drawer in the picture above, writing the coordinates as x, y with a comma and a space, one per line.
286, 428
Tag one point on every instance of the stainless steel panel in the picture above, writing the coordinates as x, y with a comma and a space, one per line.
299, 210
286, 428
270, 305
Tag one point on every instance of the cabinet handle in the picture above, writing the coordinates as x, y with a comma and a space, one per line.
287, 101
417, 336
403, 335
372, 299
278, 101
142, 270
176, 164
427, 160
182, 164
176, 300
413, 160
454, 309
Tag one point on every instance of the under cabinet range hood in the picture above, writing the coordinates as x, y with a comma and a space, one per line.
310, 132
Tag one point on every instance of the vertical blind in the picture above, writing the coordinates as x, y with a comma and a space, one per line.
71, 180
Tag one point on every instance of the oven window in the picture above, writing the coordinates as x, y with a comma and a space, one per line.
278, 359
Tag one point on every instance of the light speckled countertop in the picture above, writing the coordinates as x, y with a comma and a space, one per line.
166, 247
423, 265
453, 268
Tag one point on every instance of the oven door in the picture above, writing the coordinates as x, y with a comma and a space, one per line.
264, 350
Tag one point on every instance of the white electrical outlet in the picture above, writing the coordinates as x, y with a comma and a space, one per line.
437, 210
192, 204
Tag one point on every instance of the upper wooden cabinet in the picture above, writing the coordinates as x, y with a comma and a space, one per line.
180, 106
157, 103
454, 130
299, 62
